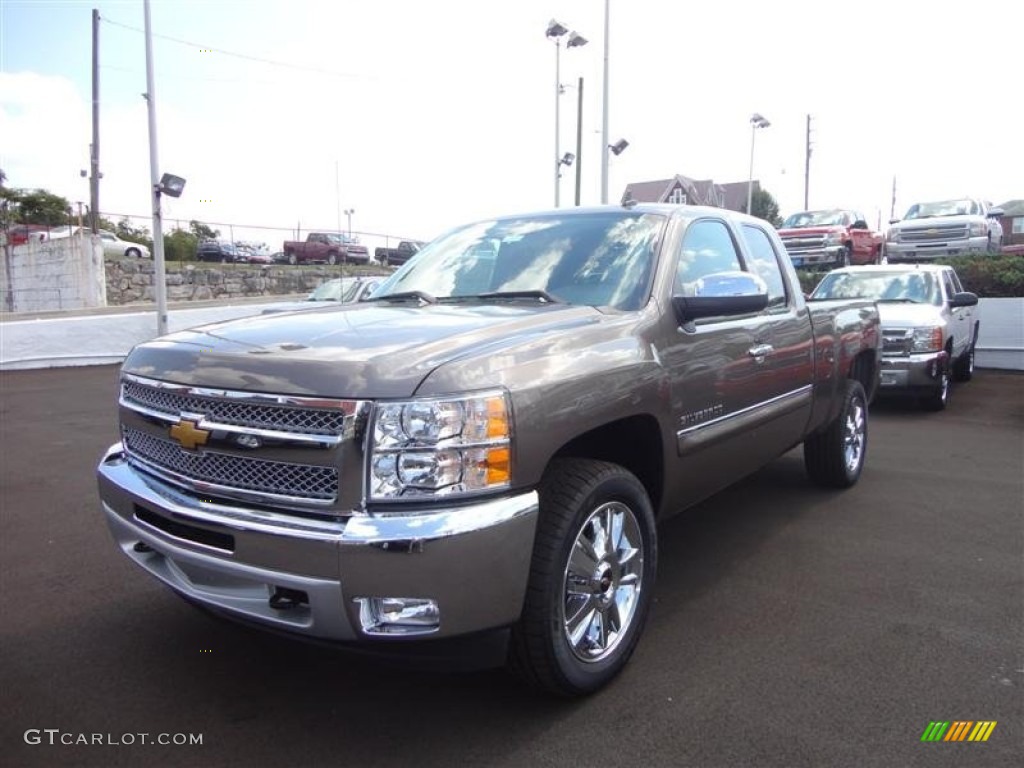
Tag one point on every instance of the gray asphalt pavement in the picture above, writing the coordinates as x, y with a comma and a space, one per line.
792, 626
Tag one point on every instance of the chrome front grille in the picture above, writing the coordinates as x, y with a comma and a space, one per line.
937, 234
296, 452
236, 412
897, 342
807, 243
272, 478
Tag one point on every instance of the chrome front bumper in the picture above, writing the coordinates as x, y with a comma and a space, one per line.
472, 559
915, 372
896, 252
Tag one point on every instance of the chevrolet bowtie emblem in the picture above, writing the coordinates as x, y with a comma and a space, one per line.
189, 435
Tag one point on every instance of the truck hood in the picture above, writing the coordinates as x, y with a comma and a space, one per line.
900, 314
810, 231
359, 351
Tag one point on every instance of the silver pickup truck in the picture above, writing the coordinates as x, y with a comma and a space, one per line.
483, 449
944, 228
929, 325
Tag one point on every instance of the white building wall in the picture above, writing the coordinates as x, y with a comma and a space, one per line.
61, 273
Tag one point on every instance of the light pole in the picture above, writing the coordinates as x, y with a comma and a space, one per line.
604, 109
348, 216
756, 121
556, 31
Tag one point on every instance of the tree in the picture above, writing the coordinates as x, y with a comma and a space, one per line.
37, 206
203, 231
765, 207
180, 245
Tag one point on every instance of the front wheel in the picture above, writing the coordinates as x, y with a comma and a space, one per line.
835, 457
938, 398
292, 259
591, 578
332, 259
843, 257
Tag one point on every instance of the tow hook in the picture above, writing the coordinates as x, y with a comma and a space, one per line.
285, 599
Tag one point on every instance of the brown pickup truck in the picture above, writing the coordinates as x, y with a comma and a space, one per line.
326, 247
484, 449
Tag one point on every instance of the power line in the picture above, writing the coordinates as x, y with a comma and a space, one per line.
243, 56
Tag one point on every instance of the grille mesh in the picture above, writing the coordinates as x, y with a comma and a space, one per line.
311, 421
301, 481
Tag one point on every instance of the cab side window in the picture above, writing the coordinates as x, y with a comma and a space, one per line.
765, 263
707, 248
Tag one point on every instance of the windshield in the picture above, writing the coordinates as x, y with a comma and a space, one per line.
341, 289
942, 208
816, 219
911, 286
598, 259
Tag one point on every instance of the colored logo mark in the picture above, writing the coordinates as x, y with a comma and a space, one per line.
959, 730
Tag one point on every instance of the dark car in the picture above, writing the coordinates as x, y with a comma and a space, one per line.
218, 250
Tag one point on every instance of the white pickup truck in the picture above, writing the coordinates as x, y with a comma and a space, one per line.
944, 228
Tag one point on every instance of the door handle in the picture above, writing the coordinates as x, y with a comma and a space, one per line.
760, 351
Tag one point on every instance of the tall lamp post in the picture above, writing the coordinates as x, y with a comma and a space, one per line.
756, 121
556, 31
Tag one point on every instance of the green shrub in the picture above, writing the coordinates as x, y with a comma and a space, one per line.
990, 277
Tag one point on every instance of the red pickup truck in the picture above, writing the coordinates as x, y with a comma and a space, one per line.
832, 238
327, 247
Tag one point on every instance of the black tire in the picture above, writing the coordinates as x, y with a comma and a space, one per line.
843, 257
834, 458
611, 587
291, 258
133, 253
332, 259
963, 368
938, 398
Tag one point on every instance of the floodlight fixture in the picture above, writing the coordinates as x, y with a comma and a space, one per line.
618, 147
171, 185
555, 29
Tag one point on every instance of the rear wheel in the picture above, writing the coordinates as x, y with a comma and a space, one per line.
591, 578
133, 253
835, 457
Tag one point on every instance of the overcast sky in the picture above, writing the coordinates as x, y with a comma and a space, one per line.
424, 115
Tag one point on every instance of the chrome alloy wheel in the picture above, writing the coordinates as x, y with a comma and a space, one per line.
602, 583
854, 435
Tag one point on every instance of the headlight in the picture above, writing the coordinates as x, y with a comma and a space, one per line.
440, 446
927, 339
892, 236
978, 229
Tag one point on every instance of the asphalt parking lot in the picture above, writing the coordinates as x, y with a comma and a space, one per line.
792, 626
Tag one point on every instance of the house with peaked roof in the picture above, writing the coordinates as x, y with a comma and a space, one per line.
686, 191
1013, 222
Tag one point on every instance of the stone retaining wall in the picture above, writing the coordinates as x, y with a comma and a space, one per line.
131, 280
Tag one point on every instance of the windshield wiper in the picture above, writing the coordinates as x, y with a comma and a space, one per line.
542, 295
421, 296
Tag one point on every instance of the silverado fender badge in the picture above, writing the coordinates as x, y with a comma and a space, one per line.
188, 434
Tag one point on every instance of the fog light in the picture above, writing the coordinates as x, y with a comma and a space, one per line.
398, 615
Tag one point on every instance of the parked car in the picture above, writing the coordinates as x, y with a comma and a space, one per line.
832, 238
340, 290
249, 255
218, 250
115, 246
481, 451
944, 228
930, 325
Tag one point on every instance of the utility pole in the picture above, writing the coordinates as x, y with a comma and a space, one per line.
94, 148
579, 138
807, 167
159, 277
